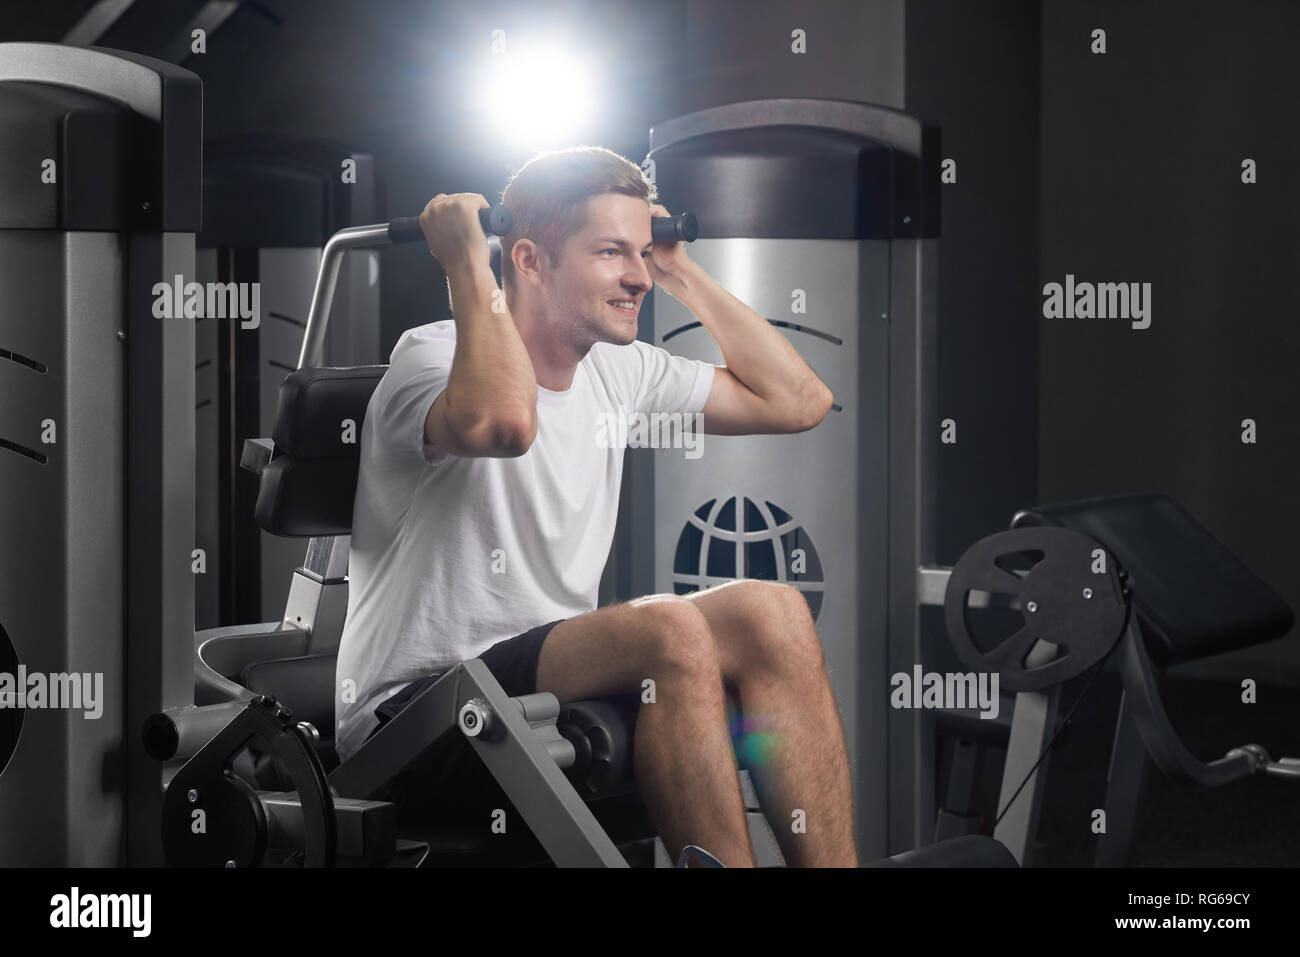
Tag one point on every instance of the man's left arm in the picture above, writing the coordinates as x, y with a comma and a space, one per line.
765, 387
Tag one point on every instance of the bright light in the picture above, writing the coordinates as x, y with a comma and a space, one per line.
537, 98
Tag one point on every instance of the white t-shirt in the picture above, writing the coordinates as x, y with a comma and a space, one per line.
451, 555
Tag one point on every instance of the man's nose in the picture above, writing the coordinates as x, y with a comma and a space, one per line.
639, 276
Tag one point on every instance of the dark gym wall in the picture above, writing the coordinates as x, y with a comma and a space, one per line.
742, 51
1142, 182
973, 68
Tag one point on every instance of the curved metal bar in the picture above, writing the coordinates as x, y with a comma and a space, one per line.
1163, 744
322, 298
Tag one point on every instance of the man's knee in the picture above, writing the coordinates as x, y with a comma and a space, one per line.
769, 610
676, 639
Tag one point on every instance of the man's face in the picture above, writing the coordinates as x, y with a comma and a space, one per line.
601, 264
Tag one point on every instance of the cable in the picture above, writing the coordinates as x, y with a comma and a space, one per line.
1097, 669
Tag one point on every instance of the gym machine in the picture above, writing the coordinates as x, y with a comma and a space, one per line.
567, 771
1191, 598
824, 217
100, 176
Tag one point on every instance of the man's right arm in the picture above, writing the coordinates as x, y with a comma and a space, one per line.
489, 407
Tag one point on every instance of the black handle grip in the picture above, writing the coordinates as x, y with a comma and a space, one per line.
405, 229
496, 221
671, 229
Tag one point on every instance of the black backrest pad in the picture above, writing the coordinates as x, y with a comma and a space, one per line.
308, 487
1193, 597
314, 403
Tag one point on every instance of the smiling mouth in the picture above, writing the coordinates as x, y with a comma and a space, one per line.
625, 310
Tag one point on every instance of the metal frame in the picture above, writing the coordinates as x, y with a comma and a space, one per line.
96, 22
913, 367
1145, 736
1033, 723
514, 737
159, 407
322, 297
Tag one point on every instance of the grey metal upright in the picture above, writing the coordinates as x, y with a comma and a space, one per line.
270, 206
99, 202
821, 215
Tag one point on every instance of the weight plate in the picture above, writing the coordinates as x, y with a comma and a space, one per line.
1076, 593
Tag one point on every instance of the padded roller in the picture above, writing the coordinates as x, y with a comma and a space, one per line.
1193, 596
602, 734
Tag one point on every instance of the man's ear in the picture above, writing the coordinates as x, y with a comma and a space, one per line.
526, 256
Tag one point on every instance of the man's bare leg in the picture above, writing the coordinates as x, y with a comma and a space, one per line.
769, 651
685, 767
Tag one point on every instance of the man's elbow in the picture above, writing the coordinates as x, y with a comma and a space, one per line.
497, 436
814, 408
515, 436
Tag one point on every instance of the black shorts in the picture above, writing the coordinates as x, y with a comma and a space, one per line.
448, 770
512, 661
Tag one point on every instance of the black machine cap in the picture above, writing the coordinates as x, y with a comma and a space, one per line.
124, 132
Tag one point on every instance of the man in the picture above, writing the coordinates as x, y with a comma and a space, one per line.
487, 499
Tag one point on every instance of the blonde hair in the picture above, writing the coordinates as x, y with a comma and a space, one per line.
548, 197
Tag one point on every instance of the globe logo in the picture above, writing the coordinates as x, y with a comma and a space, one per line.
767, 544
